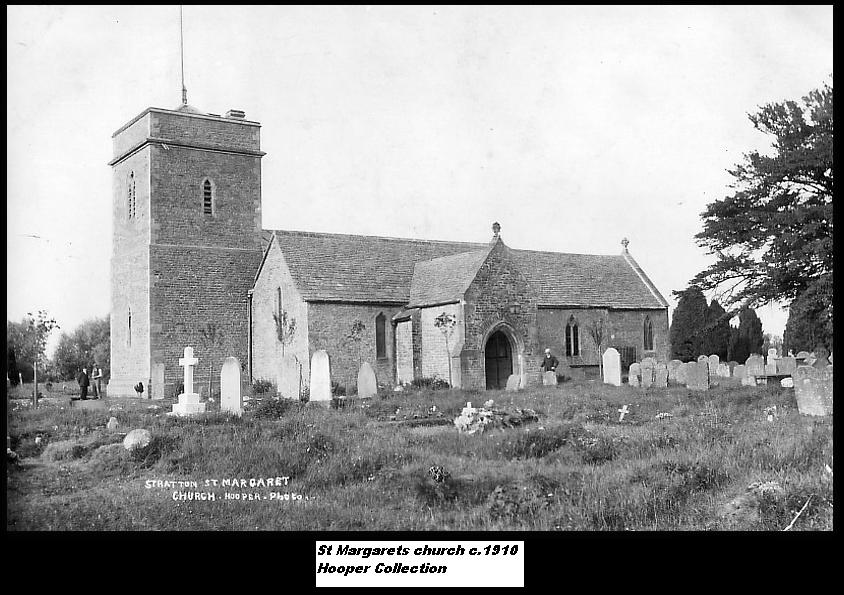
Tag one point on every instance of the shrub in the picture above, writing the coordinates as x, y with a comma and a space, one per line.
269, 408
262, 386
159, 445
432, 383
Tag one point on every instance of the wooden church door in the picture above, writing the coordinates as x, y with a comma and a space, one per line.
498, 360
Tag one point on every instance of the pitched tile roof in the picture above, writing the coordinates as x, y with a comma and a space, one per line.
354, 268
445, 279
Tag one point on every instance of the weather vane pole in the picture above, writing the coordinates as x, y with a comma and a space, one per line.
182, 53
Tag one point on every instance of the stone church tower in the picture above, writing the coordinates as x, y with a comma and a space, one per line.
186, 214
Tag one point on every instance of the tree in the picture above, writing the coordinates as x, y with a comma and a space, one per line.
596, 331
773, 234
212, 339
689, 319
89, 343
446, 323
716, 333
809, 322
748, 337
27, 339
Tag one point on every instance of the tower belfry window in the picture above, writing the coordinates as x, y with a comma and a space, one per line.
207, 198
129, 334
130, 196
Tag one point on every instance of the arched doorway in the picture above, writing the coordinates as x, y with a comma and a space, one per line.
498, 357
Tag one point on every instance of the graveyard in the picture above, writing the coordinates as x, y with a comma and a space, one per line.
641, 451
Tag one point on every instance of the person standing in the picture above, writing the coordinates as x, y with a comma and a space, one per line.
100, 382
549, 363
83, 381
95, 382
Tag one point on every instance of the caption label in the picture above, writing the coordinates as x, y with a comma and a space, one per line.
420, 563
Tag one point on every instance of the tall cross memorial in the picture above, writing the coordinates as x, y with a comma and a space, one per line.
189, 403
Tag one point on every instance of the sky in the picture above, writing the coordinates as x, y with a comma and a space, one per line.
572, 126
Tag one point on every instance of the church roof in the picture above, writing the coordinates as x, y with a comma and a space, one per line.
445, 279
355, 268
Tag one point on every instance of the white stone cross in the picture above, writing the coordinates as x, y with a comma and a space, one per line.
189, 361
623, 411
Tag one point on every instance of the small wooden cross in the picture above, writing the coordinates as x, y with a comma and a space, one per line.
623, 411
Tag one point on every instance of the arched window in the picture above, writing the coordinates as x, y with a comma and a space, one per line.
279, 302
649, 334
207, 197
572, 338
380, 336
129, 334
130, 196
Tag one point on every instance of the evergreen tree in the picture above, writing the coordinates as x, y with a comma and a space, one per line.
809, 322
687, 324
717, 331
750, 333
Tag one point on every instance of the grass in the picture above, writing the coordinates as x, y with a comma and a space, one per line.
680, 460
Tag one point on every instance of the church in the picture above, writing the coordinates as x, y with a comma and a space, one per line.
192, 266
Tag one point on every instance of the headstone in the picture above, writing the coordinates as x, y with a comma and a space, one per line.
647, 367
723, 371
772, 353
320, 377
771, 369
549, 378
673, 369
513, 381
189, 402
367, 384
156, 386
137, 439
787, 382
813, 389
698, 377
740, 372
732, 365
714, 360
786, 365
661, 376
755, 365
748, 380
623, 411
685, 372
289, 377
821, 358
612, 367
230, 398
634, 374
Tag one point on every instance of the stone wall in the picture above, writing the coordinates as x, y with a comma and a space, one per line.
404, 352
266, 347
627, 329
329, 326
499, 294
435, 359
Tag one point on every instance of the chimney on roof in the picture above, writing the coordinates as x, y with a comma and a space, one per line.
236, 114
624, 243
496, 228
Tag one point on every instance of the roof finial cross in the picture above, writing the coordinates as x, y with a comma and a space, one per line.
624, 243
182, 54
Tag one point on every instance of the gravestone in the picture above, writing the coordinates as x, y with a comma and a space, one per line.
230, 398
320, 377
612, 367
801, 356
821, 358
772, 354
189, 402
703, 358
787, 382
755, 365
723, 370
748, 380
673, 369
740, 372
714, 360
513, 381
732, 365
813, 389
647, 367
686, 371
633, 374
771, 369
549, 378
661, 376
786, 365
138, 438
367, 383
156, 385
698, 376
289, 376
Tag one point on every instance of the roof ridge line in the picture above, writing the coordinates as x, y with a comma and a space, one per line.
357, 235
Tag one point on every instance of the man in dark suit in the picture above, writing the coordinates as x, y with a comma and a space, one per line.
83, 381
549, 364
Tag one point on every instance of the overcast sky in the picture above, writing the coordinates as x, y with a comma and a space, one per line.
573, 127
